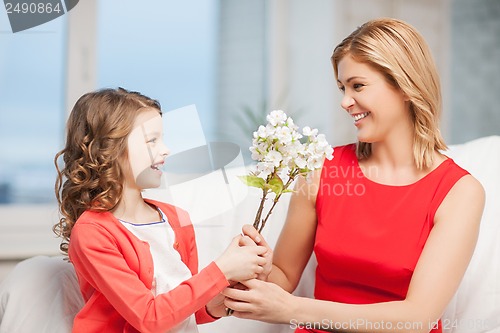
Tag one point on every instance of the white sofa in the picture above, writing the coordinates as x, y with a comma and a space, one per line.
40, 294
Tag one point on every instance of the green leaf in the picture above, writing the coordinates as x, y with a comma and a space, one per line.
276, 185
253, 181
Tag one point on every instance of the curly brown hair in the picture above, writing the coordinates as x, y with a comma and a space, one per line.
97, 131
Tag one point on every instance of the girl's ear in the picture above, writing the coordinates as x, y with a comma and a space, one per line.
123, 162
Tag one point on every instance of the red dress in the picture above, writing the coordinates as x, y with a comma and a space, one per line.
369, 236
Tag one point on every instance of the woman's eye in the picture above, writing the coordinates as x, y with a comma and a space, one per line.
342, 89
153, 140
357, 86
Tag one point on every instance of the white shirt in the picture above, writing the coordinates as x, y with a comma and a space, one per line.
169, 270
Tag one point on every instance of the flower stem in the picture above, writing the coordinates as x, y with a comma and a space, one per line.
256, 222
291, 177
275, 201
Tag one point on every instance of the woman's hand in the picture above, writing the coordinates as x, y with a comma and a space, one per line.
216, 307
240, 263
252, 233
262, 301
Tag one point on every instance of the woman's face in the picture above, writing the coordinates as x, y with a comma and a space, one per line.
379, 110
146, 150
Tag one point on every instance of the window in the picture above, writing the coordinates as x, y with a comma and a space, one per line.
31, 110
163, 49
32, 116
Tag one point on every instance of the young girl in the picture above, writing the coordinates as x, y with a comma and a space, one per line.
135, 259
392, 252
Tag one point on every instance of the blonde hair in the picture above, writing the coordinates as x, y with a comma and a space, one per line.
97, 131
399, 52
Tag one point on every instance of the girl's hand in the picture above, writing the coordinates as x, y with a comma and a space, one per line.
262, 301
252, 233
240, 263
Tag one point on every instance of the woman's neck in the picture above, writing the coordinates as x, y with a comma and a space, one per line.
395, 148
393, 154
392, 161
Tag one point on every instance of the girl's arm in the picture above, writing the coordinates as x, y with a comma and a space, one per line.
437, 275
99, 261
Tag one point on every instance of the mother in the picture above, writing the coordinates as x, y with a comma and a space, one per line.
392, 221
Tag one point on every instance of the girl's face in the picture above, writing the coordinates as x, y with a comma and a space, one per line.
378, 110
146, 150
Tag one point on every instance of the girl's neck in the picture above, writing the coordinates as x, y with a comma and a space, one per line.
132, 208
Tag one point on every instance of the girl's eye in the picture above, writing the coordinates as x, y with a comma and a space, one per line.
357, 86
153, 140
342, 89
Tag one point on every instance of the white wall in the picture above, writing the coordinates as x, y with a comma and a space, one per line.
241, 65
475, 74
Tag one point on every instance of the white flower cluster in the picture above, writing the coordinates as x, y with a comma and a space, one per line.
278, 148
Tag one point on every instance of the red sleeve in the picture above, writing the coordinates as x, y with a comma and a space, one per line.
98, 260
203, 317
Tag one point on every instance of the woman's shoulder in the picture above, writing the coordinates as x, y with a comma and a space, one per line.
457, 189
343, 154
350, 147
460, 179
465, 200
468, 187
447, 173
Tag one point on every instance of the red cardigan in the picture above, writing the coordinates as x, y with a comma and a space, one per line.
115, 273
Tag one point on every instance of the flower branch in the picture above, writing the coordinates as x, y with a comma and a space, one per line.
280, 154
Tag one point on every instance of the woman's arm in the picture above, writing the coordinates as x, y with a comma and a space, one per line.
437, 275
296, 241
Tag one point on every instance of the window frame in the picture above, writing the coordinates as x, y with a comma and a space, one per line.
26, 229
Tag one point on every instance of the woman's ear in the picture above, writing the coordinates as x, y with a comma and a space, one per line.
406, 98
